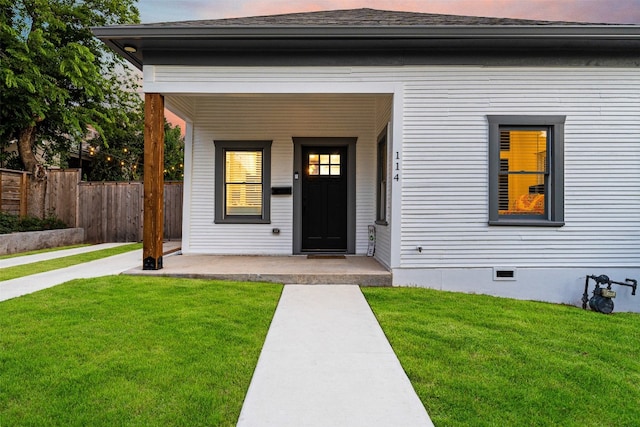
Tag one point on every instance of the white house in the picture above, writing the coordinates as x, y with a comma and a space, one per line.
492, 155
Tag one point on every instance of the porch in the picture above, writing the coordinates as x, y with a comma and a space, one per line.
296, 269
303, 166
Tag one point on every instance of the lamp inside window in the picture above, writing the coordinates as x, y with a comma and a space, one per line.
524, 171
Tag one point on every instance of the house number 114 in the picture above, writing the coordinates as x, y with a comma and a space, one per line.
397, 168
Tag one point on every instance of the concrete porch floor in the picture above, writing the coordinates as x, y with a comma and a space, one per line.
298, 269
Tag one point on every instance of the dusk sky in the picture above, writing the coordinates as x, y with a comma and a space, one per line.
596, 11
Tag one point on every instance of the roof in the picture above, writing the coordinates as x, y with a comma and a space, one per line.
364, 17
358, 37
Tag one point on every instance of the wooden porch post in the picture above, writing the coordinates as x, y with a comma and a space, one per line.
153, 227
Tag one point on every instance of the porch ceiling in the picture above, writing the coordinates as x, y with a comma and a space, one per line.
184, 105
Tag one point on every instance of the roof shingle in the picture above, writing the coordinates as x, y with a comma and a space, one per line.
360, 18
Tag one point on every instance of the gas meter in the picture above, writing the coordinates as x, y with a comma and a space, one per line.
602, 299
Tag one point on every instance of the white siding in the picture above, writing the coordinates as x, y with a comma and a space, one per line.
278, 118
444, 173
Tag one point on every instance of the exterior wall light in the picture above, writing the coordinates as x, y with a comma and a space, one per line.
130, 48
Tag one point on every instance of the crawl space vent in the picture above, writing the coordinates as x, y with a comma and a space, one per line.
501, 273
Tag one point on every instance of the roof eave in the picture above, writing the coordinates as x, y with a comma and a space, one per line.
366, 32
193, 38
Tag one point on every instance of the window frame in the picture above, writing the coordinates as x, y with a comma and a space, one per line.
221, 148
382, 166
554, 197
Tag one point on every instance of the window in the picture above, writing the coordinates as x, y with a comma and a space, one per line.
381, 195
526, 170
243, 180
324, 165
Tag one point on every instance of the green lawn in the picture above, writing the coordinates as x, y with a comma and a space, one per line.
132, 351
143, 351
9, 273
481, 361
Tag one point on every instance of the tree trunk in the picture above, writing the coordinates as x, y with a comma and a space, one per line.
37, 188
36, 199
25, 149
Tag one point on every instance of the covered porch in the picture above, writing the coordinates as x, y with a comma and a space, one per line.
219, 125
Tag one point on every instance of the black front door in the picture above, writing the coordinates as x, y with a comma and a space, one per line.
324, 199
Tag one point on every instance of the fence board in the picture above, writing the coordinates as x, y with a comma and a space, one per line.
10, 199
173, 210
24, 189
62, 195
105, 211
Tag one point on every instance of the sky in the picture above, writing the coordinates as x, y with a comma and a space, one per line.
595, 11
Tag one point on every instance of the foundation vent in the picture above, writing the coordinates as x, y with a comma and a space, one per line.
505, 273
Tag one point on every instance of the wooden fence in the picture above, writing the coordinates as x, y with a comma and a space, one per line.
14, 187
108, 211
61, 195
113, 211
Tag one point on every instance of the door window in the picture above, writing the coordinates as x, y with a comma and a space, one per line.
324, 164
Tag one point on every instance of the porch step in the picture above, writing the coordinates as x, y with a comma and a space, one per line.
298, 279
349, 270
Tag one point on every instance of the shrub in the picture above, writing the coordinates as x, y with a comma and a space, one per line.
8, 223
11, 223
52, 222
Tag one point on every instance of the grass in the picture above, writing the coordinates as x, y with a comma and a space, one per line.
9, 273
41, 251
132, 351
482, 361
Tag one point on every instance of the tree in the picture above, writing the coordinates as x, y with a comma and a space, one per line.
173, 153
122, 159
56, 79
119, 150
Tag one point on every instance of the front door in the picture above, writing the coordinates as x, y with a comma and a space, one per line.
324, 199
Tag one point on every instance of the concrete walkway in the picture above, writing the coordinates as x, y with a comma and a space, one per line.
28, 259
102, 267
326, 362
